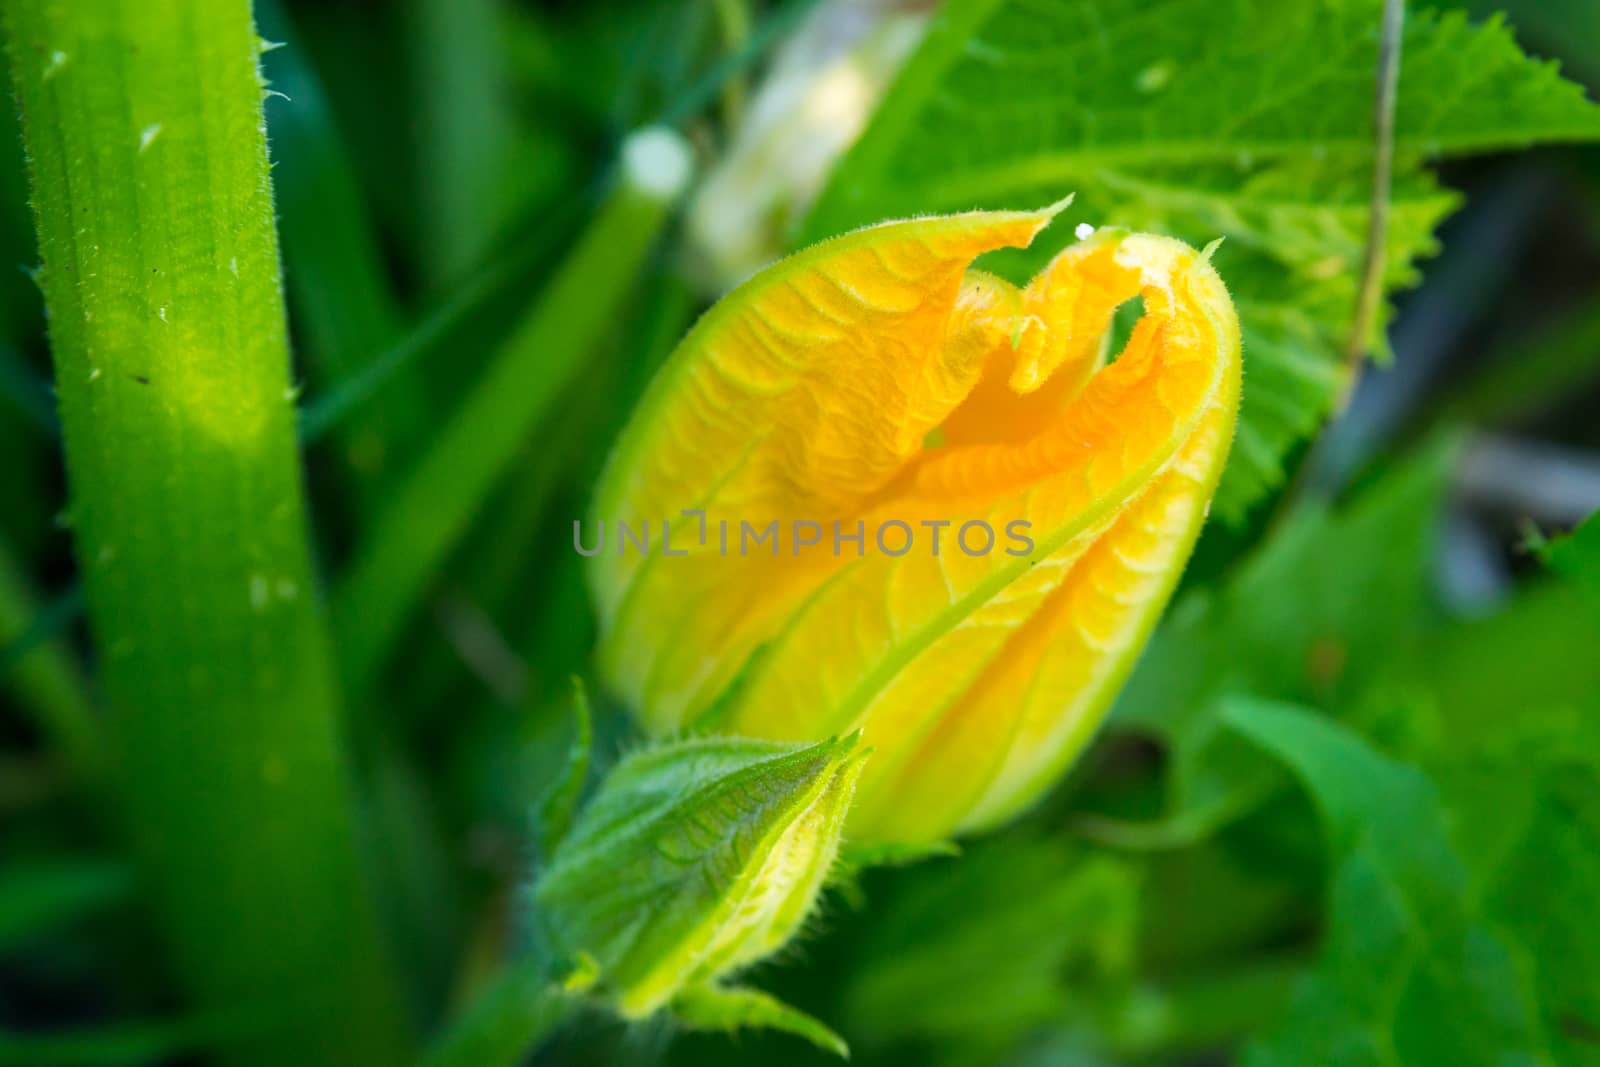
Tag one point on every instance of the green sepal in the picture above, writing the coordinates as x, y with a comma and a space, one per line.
694, 859
860, 857
579, 974
726, 1010
854, 860
553, 818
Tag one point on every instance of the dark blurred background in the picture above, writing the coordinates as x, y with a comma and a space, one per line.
458, 146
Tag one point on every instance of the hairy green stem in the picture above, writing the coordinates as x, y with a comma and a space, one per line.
431, 508
143, 124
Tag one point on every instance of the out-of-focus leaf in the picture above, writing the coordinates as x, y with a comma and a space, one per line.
855, 860
1577, 559
477, 313
1458, 683
1256, 127
36, 898
1312, 617
28, 393
984, 947
428, 511
503, 1020
1060, 1050
40, 672
1520, 767
463, 129
20, 306
1409, 973
133, 1044
1526, 817
1528, 375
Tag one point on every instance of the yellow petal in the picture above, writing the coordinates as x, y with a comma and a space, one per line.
976, 676
800, 395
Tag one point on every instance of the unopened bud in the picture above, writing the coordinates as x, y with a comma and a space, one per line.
696, 859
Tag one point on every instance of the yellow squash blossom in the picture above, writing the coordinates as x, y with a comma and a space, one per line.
876, 489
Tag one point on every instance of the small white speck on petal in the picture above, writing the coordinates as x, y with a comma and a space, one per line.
1083, 231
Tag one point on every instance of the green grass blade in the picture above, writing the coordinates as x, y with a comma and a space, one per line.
431, 508
132, 1044
345, 313
465, 130
143, 125
519, 1007
465, 312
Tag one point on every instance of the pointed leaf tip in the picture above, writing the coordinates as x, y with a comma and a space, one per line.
555, 812
1052, 210
726, 1010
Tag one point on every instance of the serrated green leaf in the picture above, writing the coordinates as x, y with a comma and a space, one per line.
1249, 120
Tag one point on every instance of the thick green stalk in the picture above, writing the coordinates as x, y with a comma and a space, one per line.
430, 508
143, 124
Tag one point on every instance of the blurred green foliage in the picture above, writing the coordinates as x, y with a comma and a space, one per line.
1347, 810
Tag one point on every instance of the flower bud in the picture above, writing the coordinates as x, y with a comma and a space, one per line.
695, 859
894, 494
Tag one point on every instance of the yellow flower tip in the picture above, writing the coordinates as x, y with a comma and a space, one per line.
1001, 584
